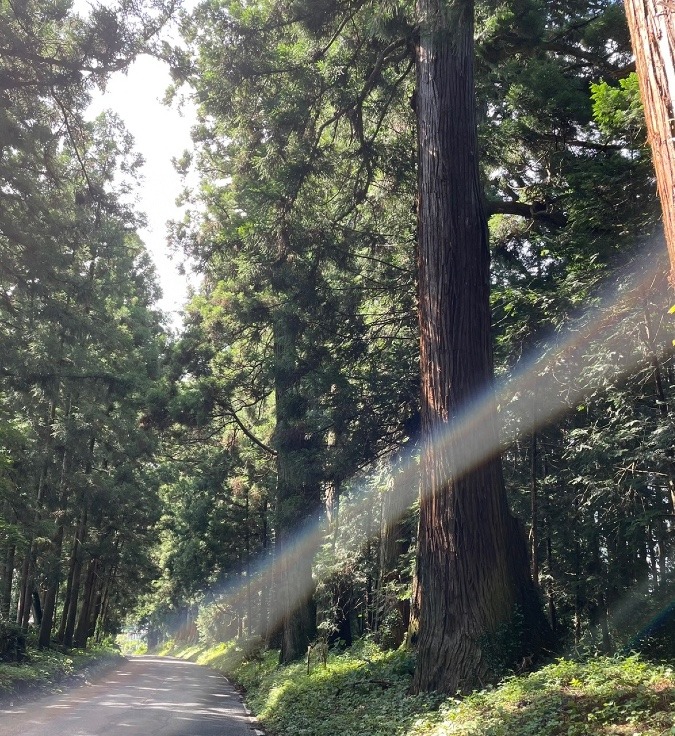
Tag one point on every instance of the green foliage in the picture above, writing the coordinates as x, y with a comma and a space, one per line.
80, 337
12, 642
46, 668
307, 131
131, 646
364, 691
505, 648
618, 109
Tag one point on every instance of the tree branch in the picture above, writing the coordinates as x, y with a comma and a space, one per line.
250, 434
532, 210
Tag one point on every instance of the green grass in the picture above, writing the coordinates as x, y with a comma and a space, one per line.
363, 692
47, 667
131, 647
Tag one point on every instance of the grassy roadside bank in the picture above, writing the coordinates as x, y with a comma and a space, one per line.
43, 670
363, 692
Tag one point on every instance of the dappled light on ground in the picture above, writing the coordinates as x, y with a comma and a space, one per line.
147, 696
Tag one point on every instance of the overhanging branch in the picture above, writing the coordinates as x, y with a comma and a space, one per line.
539, 211
250, 434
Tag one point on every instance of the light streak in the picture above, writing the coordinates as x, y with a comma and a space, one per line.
546, 386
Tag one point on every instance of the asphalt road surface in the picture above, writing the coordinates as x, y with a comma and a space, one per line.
145, 696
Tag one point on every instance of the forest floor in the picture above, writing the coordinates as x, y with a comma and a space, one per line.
46, 670
364, 692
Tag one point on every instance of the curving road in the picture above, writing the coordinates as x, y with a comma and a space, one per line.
145, 696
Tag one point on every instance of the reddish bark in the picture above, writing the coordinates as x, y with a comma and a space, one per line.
652, 30
473, 571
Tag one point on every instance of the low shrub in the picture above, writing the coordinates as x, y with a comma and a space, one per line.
12, 642
46, 667
365, 692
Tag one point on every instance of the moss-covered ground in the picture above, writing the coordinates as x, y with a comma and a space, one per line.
364, 692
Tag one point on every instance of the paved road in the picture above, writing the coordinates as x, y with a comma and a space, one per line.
146, 696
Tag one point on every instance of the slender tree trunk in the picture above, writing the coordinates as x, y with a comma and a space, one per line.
579, 597
263, 613
102, 623
60, 634
53, 576
534, 512
70, 605
82, 629
103, 581
607, 646
247, 549
395, 542
551, 612
550, 596
23, 607
663, 552
8, 578
652, 30
473, 569
54, 563
37, 607
28, 569
368, 620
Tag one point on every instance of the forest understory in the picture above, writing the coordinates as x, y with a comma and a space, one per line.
418, 417
365, 691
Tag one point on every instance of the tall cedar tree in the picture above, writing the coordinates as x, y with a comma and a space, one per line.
652, 30
473, 576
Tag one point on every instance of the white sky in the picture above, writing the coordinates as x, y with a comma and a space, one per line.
161, 133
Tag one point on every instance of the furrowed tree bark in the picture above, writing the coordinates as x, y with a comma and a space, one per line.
652, 30
473, 573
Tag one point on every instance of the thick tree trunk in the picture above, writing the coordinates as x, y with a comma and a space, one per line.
473, 569
296, 585
298, 491
652, 30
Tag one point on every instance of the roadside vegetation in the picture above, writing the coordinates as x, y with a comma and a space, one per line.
272, 468
47, 668
131, 646
364, 691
